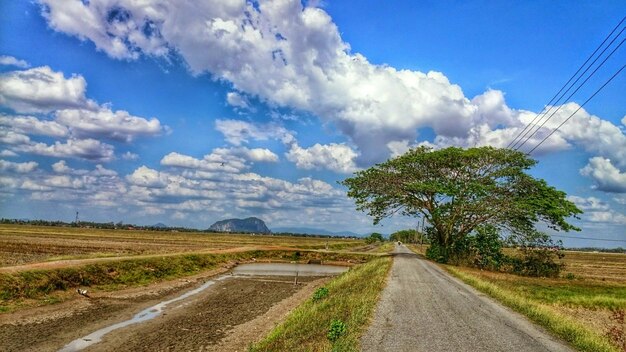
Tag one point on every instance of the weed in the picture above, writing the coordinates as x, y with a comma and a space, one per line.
336, 329
320, 293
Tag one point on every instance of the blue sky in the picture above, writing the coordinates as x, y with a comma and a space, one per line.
187, 115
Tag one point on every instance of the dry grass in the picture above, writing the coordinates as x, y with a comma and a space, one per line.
23, 244
576, 306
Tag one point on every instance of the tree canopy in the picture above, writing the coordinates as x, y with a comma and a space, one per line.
459, 190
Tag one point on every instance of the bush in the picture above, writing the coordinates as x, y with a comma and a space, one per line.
320, 293
337, 328
487, 248
539, 257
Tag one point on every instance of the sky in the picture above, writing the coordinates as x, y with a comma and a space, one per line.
188, 112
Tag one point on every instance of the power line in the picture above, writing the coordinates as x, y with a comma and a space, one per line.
515, 140
574, 92
590, 238
580, 107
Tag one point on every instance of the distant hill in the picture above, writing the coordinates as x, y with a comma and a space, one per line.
313, 231
240, 225
159, 225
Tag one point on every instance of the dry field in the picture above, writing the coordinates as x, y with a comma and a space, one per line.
587, 298
23, 244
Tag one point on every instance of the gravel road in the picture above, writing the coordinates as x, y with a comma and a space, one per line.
425, 309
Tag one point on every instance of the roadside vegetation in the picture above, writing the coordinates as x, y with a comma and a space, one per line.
580, 310
37, 287
334, 318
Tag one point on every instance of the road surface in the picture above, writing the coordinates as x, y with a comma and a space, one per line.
425, 309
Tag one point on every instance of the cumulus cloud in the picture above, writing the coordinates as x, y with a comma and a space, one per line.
606, 176
82, 122
238, 132
6, 60
41, 90
130, 156
7, 153
21, 168
89, 149
105, 123
607, 217
336, 157
32, 125
589, 203
146, 177
237, 100
293, 56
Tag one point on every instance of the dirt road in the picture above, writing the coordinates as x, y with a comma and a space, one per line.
425, 309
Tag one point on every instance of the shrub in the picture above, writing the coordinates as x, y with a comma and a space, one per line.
337, 328
539, 257
320, 293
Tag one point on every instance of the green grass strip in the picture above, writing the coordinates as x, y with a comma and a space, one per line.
351, 299
567, 329
38, 284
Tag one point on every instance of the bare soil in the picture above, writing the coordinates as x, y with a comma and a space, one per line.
227, 316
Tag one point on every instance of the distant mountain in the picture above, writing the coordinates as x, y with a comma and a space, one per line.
159, 225
313, 231
240, 225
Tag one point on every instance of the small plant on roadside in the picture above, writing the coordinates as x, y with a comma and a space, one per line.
337, 328
319, 294
617, 332
570, 276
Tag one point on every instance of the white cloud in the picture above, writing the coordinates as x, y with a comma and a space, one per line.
220, 160
21, 168
293, 56
146, 177
336, 157
607, 217
607, 177
12, 61
621, 199
237, 100
130, 156
41, 90
589, 203
256, 154
32, 125
7, 154
238, 132
12, 138
105, 123
89, 149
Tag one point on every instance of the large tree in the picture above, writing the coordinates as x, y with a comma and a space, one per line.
460, 190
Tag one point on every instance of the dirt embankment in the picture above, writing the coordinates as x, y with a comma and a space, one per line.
227, 316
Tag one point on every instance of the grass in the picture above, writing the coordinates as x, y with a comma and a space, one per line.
562, 326
351, 300
41, 285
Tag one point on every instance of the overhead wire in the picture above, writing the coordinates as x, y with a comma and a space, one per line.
571, 95
552, 102
580, 107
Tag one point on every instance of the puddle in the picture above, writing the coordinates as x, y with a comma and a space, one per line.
144, 315
288, 269
256, 269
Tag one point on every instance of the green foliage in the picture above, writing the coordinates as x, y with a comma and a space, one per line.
459, 190
336, 329
407, 236
374, 237
319, 294
487, 248
539, 256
